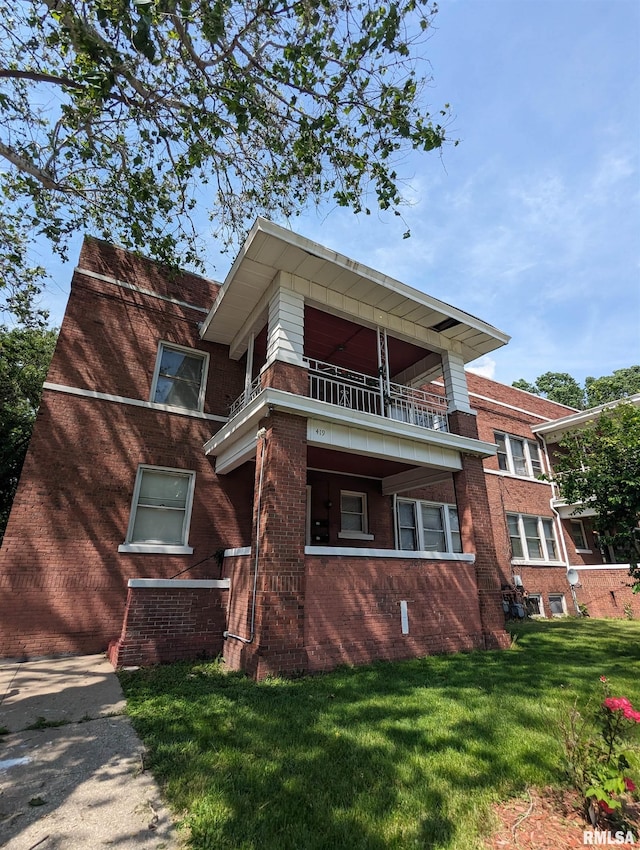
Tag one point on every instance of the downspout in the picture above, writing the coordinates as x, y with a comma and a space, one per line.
559, 528
262, 437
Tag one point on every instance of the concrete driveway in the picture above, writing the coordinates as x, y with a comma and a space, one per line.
72, 773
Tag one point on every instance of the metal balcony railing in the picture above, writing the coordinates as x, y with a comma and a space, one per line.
366, 394
244, 398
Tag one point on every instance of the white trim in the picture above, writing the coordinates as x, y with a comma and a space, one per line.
584, 551
180, 584
601, 567
525, 558
580, 417
362, 533
154, 549
153, 546
343, 474
237, 552
563, 602
189, 352
541, 613
445, 509
509, 440
531, 562
344, 551
133, 402
504, 474
141, 290
236, 443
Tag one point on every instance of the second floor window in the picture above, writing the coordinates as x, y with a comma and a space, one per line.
532, 538
179, 377
517, 455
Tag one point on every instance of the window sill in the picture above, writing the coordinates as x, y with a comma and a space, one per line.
531, 562
155, 548
355, 535
505, 474
584, 551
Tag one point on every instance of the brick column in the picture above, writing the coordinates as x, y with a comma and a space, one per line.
477, 534
278, 645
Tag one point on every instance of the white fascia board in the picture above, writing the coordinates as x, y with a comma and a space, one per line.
567, 511
555, 429
271, 243
240, 432
358, 552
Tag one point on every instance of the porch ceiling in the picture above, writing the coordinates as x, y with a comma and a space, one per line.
269, 249
351, 464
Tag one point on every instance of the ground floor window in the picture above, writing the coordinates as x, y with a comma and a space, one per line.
426, 526
557, 604
160, 509
533, 605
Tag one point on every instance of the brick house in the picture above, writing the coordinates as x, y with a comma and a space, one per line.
292, 469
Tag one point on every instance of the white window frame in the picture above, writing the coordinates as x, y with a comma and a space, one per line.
160, 548
526, 557
579, 523
540, 613
528, 459
190, 352
563, 602
363, 534
445, 508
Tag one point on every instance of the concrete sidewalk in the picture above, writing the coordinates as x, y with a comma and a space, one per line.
72, 775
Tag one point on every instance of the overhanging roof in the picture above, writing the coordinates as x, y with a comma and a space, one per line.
270, 248
555, 430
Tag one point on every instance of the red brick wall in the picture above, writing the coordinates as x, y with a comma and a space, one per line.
352, 609
287, 377
604, 592
63, 583
494, 391
170, 624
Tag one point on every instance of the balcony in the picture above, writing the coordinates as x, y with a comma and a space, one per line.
356, 391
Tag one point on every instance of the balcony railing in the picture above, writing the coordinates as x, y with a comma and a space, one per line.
366, 394
243, 400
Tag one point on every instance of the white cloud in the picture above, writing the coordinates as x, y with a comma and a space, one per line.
485, 366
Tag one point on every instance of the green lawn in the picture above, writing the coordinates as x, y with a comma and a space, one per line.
409, 754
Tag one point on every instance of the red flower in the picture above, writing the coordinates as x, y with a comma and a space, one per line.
606, 807
629, 784
603, 679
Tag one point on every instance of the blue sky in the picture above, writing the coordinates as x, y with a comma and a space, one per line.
532, 222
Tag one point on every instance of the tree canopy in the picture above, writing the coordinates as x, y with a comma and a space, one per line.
25, 354
121, 116
563, 388
598, 467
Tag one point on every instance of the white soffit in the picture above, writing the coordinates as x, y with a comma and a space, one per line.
270, 248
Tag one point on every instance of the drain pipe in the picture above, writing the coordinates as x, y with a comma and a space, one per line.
563, 542
262, 439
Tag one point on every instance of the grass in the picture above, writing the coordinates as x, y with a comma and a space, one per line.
394, 755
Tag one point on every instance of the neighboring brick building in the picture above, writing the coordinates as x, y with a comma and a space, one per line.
292, 469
